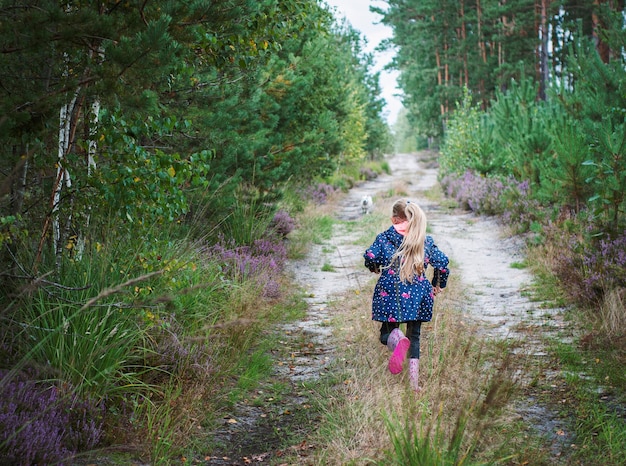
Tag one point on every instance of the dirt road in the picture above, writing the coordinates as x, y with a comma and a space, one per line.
481, 255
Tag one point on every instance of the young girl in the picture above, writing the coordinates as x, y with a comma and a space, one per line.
403, 294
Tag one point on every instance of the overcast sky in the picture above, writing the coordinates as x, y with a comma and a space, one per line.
358, 14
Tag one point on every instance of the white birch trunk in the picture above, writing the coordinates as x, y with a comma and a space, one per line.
93, 137
92, 147
63, 175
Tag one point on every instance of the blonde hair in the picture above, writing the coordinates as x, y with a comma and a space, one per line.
410, 254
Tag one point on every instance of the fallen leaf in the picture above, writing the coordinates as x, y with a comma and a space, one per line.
232, 421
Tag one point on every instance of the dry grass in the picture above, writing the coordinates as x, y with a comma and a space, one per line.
613, 315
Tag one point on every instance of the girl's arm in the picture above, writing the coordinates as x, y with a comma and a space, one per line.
375, 255
439, 262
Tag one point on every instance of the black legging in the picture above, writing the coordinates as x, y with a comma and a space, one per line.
413, 331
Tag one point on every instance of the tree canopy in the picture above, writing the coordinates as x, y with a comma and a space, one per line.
134, 109
445, 46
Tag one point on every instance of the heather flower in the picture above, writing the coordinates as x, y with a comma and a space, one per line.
261, 263
476, 193
282, 223
39, 426
319, 193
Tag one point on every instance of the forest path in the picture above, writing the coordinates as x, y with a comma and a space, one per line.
494, 290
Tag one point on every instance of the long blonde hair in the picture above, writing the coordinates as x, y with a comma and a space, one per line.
410, 254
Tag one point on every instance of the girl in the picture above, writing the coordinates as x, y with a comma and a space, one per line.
403, 294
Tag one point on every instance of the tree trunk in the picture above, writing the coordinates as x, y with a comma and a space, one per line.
465, 80
601, 46
92, 146
543, 50
439, 75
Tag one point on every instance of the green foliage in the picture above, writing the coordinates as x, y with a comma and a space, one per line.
469, 142
92, 349
608, 175
565, 176
190, 98
521, 125
248, 219
541, 143
444, 47
427, 444
599, 431
140, 184
597, 103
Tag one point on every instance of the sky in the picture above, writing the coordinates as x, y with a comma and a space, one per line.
358, 14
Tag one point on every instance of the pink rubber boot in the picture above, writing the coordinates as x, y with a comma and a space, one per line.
414, 371
399, 344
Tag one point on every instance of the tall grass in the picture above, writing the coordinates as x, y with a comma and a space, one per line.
425, 443
96, 349
142, 324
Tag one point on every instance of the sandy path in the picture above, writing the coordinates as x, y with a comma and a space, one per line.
480, 255
479, 252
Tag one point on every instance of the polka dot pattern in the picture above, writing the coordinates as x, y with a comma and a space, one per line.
396, 301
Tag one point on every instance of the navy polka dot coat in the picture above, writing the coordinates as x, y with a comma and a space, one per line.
396, 301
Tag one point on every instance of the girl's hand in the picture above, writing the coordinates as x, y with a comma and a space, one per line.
437, 290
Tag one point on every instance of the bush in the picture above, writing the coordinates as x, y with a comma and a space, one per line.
319, 193
39, 426
476, 193
282, 223
589, 267
261, 263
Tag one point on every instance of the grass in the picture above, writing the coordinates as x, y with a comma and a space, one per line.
90, 348
160, 334
595, 398
328, 267
312, 229
519, 265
